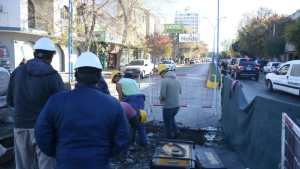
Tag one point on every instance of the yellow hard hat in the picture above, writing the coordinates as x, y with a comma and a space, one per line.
115, 73
143, 116
162, 68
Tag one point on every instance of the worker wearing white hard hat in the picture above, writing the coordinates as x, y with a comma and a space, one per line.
31, 84
87, 124
45, 49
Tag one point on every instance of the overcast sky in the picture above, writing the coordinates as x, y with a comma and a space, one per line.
230, 10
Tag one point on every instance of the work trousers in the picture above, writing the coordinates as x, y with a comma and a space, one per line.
171, 129
27, 153
138, 127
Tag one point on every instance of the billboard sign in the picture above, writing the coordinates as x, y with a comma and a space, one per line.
186, 38
174, 28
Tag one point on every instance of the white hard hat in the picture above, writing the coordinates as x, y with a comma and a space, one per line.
44, 43
88, 59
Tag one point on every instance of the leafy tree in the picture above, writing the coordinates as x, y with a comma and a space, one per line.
159, 45
292, 34
263, 34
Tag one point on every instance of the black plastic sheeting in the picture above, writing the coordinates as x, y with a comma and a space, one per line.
253, 129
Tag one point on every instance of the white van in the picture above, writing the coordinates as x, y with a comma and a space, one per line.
286, 78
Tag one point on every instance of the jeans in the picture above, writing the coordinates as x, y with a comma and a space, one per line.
169, 122
27, 153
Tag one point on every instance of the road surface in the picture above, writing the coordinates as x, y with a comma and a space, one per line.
253, 88
198, 104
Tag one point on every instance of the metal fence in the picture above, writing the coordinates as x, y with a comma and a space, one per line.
290, 144
197, 102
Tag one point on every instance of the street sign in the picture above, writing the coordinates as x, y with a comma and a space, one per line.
174, 28
185, 38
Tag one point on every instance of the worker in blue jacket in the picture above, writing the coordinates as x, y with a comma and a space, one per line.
83, 128
129, 92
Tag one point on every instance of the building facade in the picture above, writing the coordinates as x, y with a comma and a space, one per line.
189, 20
22, 22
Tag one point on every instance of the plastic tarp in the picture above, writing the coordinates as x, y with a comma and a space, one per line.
253, 129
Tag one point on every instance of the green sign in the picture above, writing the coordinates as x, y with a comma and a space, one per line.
174, 28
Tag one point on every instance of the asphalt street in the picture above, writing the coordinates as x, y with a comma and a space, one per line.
198, 103
253, 88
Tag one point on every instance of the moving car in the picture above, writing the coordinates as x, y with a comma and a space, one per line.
245, 67
271, 67
139, 68
286, 78
170, 64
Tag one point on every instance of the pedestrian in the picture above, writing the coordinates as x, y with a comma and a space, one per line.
30, 86
129, 92
169, 98
83, 128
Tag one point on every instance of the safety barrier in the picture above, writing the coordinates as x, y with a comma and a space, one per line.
213, 79
290, 144
253, 127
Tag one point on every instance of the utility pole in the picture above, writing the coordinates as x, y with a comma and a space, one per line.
218, 29
70, 39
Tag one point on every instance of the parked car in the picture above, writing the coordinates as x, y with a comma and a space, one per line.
271, 67
139, 68
192, 61
286, 78
170, 64
245, 67
231, 63
4, 79
261, 64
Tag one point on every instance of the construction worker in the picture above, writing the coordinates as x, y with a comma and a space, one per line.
102, 85
30, 86
125, 86
169, 98
129, 92
83, 128
132, 117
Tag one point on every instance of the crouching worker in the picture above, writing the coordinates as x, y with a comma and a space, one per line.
83, 128
129, 92
134, 118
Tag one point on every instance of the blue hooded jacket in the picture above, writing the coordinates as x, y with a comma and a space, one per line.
30, 86
82, 128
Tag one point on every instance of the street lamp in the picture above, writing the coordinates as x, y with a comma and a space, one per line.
70, 41
218, 29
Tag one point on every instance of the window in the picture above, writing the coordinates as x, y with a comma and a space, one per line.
295, 70
64, 12
283, 70
31, 15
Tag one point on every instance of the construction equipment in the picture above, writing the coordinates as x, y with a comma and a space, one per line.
173, 154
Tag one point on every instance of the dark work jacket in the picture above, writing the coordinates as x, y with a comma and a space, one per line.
82, 128
103, 86
30, 86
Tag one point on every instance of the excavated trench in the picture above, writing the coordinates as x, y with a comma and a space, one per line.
137, 157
